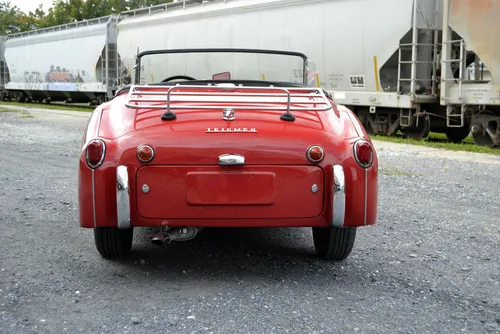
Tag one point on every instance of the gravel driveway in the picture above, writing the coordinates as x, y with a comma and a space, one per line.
430, 265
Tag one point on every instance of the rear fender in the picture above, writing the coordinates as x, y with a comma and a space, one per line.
97, 187
361, 192
361, 183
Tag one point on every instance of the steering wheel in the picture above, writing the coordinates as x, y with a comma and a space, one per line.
174, 77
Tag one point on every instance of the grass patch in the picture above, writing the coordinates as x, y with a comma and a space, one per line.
24, 113
9, 110
26, 116
434, 136
48, 106
439, 140
397, 172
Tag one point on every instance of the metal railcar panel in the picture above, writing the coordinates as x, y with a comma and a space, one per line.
470, 92
477, 22
71, 61
4, 74
354, 43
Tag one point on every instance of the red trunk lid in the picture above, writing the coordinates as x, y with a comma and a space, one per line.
200, 137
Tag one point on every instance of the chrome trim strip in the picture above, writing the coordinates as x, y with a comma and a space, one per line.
366, 196
98, 122
122, 198
338, 192
231, 160
93, 198
99, 109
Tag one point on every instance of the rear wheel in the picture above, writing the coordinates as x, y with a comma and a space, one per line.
334, 243
112, 241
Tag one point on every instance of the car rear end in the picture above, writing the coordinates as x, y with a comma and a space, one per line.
181, 165
271, 164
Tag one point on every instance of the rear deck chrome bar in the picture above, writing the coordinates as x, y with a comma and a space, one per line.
217, 97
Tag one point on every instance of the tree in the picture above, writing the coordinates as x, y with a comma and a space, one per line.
9, 18
12, 19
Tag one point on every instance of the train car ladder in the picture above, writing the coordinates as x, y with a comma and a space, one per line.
3, 75
405, 117
451, 112
413, 48
454, 113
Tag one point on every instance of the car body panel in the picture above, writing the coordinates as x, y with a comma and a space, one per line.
276, 144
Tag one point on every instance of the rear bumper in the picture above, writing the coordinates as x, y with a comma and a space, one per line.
339, 197
124, 213
111, 199
122, 198
338, 217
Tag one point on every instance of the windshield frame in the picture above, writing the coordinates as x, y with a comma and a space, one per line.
137, 66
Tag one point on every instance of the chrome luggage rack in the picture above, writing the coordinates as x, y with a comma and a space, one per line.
213, 97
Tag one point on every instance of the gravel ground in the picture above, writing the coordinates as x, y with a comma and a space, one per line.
430, 264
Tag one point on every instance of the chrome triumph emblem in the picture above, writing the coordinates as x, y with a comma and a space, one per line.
228, 114
229, 130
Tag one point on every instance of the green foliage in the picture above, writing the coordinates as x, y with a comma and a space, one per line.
13, 20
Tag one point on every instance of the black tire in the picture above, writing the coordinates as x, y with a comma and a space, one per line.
113, 242
334, 243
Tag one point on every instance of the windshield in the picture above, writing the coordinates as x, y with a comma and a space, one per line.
174, 66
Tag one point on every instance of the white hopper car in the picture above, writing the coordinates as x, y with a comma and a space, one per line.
385, 59
355, 46
74, 62
470, 38
381, 58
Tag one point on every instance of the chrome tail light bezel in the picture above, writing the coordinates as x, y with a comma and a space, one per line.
103, 154
356, 153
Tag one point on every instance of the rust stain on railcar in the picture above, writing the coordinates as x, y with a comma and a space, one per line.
478, 23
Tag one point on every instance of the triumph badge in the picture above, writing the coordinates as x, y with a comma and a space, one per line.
228, 114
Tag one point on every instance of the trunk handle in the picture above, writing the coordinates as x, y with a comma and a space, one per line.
231, 160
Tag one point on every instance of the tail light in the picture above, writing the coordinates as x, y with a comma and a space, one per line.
315, 153
145, 153
95, 152
363, 153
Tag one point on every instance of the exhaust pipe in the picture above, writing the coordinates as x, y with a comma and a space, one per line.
175, 234
159, 238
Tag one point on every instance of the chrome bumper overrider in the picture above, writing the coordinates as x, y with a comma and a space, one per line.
338, 196
122, 198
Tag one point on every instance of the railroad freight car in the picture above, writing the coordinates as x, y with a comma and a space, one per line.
378, 57
74, 62
4, 71
470, 35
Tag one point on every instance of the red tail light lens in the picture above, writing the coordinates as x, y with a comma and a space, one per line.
95, 152
315, 153
145, 153
363, 153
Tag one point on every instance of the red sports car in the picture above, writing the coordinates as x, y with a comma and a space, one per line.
236, 138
